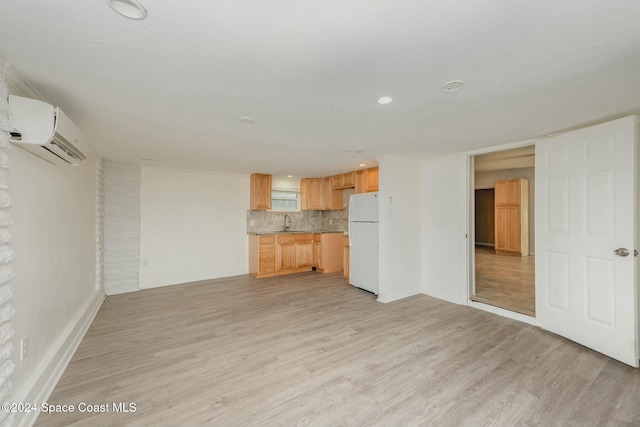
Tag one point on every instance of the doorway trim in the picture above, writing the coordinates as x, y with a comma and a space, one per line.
471, 238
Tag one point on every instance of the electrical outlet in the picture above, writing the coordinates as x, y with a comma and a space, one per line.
24, 348
252, 222
330, 222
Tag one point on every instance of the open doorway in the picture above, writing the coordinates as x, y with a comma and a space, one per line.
503, 246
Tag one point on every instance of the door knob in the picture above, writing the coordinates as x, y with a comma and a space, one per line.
621, 252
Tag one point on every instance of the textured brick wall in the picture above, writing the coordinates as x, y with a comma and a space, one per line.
7, 311
121, 227
99, 279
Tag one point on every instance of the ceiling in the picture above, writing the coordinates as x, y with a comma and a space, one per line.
172, 88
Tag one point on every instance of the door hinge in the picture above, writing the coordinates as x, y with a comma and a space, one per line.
635, 252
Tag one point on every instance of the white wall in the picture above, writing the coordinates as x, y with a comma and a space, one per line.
193, 226
399, 228
488, 180
444, 226
54, 236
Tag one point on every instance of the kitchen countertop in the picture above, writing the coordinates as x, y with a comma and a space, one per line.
271, 233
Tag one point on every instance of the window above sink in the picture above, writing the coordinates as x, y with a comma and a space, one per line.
285, 200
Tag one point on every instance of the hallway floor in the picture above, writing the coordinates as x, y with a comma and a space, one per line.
505, 281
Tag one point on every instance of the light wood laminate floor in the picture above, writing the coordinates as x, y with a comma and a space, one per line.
309, 349
505, 281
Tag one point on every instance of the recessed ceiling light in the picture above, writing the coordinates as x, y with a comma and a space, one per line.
362, 164
131, 9
247, 120
385, 100
289, 176
452, 86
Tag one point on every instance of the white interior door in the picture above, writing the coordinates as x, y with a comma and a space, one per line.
586, 206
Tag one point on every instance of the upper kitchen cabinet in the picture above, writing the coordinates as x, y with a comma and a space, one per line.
332, 198
346, 180
366, 180
260, 192
312, 194
327, 193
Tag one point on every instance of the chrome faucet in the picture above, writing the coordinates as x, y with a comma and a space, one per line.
287, 222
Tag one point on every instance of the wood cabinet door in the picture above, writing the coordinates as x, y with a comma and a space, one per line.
316, 193
317, 254
328, 194
267, 263
267, 254
513, 229
513, 192
349, 180
260, 194
336, 182
501, 228
304, 193
286, 255
372, 179
304, 254
501, 193
360, 182
312, 194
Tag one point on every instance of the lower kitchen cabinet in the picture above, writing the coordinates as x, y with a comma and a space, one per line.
262, 255
277, 254
286, 255
327, 252
294, 252
304, 250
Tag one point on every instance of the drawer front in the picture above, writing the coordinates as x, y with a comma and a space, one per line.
304, 238
290, 238
267, 239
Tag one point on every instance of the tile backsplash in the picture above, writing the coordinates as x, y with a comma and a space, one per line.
265, 221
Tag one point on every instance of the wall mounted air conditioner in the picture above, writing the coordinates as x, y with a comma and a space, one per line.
45, 131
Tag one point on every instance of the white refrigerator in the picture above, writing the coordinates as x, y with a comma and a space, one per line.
363, 241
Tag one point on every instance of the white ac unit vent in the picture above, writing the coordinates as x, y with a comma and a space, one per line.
45, 131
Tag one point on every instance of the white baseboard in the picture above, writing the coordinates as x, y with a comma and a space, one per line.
398, 295
41, 384
445, 297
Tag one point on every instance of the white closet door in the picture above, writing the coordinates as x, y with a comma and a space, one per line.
586, 190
